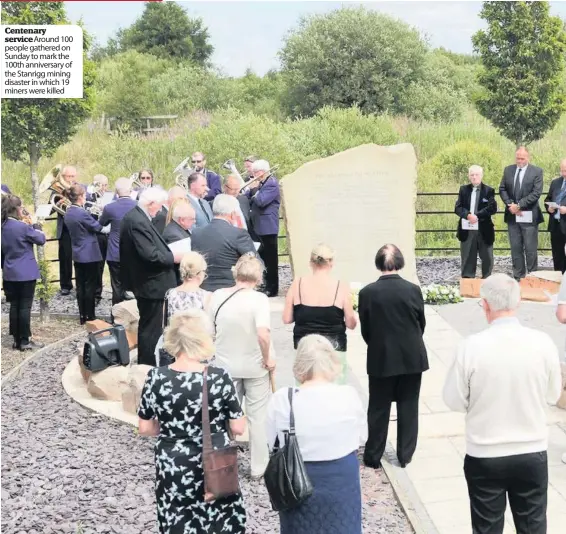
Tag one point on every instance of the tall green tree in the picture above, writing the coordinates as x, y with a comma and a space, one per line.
35, 127
166, 31
350, 57
523, 55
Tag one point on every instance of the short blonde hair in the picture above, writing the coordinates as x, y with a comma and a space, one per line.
248, 269
321, 255
192, 264
189, 332
316, 357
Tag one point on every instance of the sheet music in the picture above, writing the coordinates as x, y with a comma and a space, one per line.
43, 211
183, 246
525, 217
106, 198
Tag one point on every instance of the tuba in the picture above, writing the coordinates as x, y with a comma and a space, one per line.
54, 182
135, 181
182, 172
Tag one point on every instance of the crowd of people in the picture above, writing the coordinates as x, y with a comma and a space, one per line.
205, 320
520, 190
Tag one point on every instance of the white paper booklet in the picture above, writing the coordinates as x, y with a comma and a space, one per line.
183, 246
467, 225
525, 217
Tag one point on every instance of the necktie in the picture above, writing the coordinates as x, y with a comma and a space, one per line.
203, 209
474, 200
517, 188
559, 198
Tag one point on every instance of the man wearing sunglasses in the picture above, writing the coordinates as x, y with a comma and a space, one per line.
212, 179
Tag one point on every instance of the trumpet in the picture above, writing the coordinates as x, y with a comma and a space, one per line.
94, 190
266, 175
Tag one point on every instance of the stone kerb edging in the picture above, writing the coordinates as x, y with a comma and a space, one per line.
61, 343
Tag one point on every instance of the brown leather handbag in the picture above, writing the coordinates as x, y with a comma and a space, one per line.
220, 466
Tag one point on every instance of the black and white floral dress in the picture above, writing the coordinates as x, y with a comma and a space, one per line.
175, 399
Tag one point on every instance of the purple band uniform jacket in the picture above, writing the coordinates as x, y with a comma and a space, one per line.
265, 207
214, 185
83, 228
113, 214
18, 260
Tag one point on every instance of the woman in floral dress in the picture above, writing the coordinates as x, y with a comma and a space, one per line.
171, 409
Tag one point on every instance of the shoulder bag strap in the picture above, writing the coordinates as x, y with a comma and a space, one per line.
291, 414
206, 438
165, 311
224, 302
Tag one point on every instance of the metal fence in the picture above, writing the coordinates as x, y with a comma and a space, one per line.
449, 214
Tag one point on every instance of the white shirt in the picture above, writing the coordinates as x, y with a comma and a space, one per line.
330, 421
522, 177
237, 345
475, 193
503, 378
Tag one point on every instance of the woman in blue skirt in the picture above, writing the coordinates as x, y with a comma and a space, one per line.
330, 425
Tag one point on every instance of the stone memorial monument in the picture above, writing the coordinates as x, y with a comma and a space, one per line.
355, 201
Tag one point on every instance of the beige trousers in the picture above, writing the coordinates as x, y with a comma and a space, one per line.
256, 392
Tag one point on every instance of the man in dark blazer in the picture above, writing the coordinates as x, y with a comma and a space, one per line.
213, 181
221, 243
520, 190
475, 206
392, 320
557, 219
147, 268
265, 199
183, 218
113, 214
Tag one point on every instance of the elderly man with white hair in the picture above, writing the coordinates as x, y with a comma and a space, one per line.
147, 266
503, 378
182, 218
222, 243
265, 200
475, 206
555, 203
112, 214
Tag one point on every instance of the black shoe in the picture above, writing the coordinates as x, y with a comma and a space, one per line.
65, 292
31, 345
372, 465
15, 346
404, 464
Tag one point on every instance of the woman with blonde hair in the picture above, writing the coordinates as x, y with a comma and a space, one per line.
330, 424
320, 304
242, 322
171, 409
187, 296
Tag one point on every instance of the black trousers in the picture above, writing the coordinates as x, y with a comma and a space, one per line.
523, 239
523, 478
469, 251
86, 275
404, 390
116, 282
103, 245
20, 297
557, 243
65, 260
150, 328
269, 253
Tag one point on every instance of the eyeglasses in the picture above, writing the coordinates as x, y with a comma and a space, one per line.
204, 275
145, 177
196, 161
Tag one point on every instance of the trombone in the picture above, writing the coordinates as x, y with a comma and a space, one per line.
266, 175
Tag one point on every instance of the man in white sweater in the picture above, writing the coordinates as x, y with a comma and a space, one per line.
503, 378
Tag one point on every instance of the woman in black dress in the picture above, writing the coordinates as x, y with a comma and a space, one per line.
171, 408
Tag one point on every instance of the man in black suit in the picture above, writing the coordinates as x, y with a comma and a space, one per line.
392, 320
183, 218
222, 243
557, 219
520, 190
475, 206
147, 268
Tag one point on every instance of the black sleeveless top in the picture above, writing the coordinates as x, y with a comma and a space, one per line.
328, 321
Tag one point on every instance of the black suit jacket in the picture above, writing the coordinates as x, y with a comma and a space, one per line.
174, 232
146, 263
392, 319
160, 219
531, 190
222, 245
553, 192
487, 206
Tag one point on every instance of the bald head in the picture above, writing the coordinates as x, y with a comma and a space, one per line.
184, 214
232, 185
522, 157
389, 259
176, 193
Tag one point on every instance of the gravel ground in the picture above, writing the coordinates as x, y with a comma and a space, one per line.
47, 333
66, 469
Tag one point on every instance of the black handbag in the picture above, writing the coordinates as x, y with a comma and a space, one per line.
286, 478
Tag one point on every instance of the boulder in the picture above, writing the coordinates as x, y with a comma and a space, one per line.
533, 288
470, 287
131, 394
126, 313
109, 383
